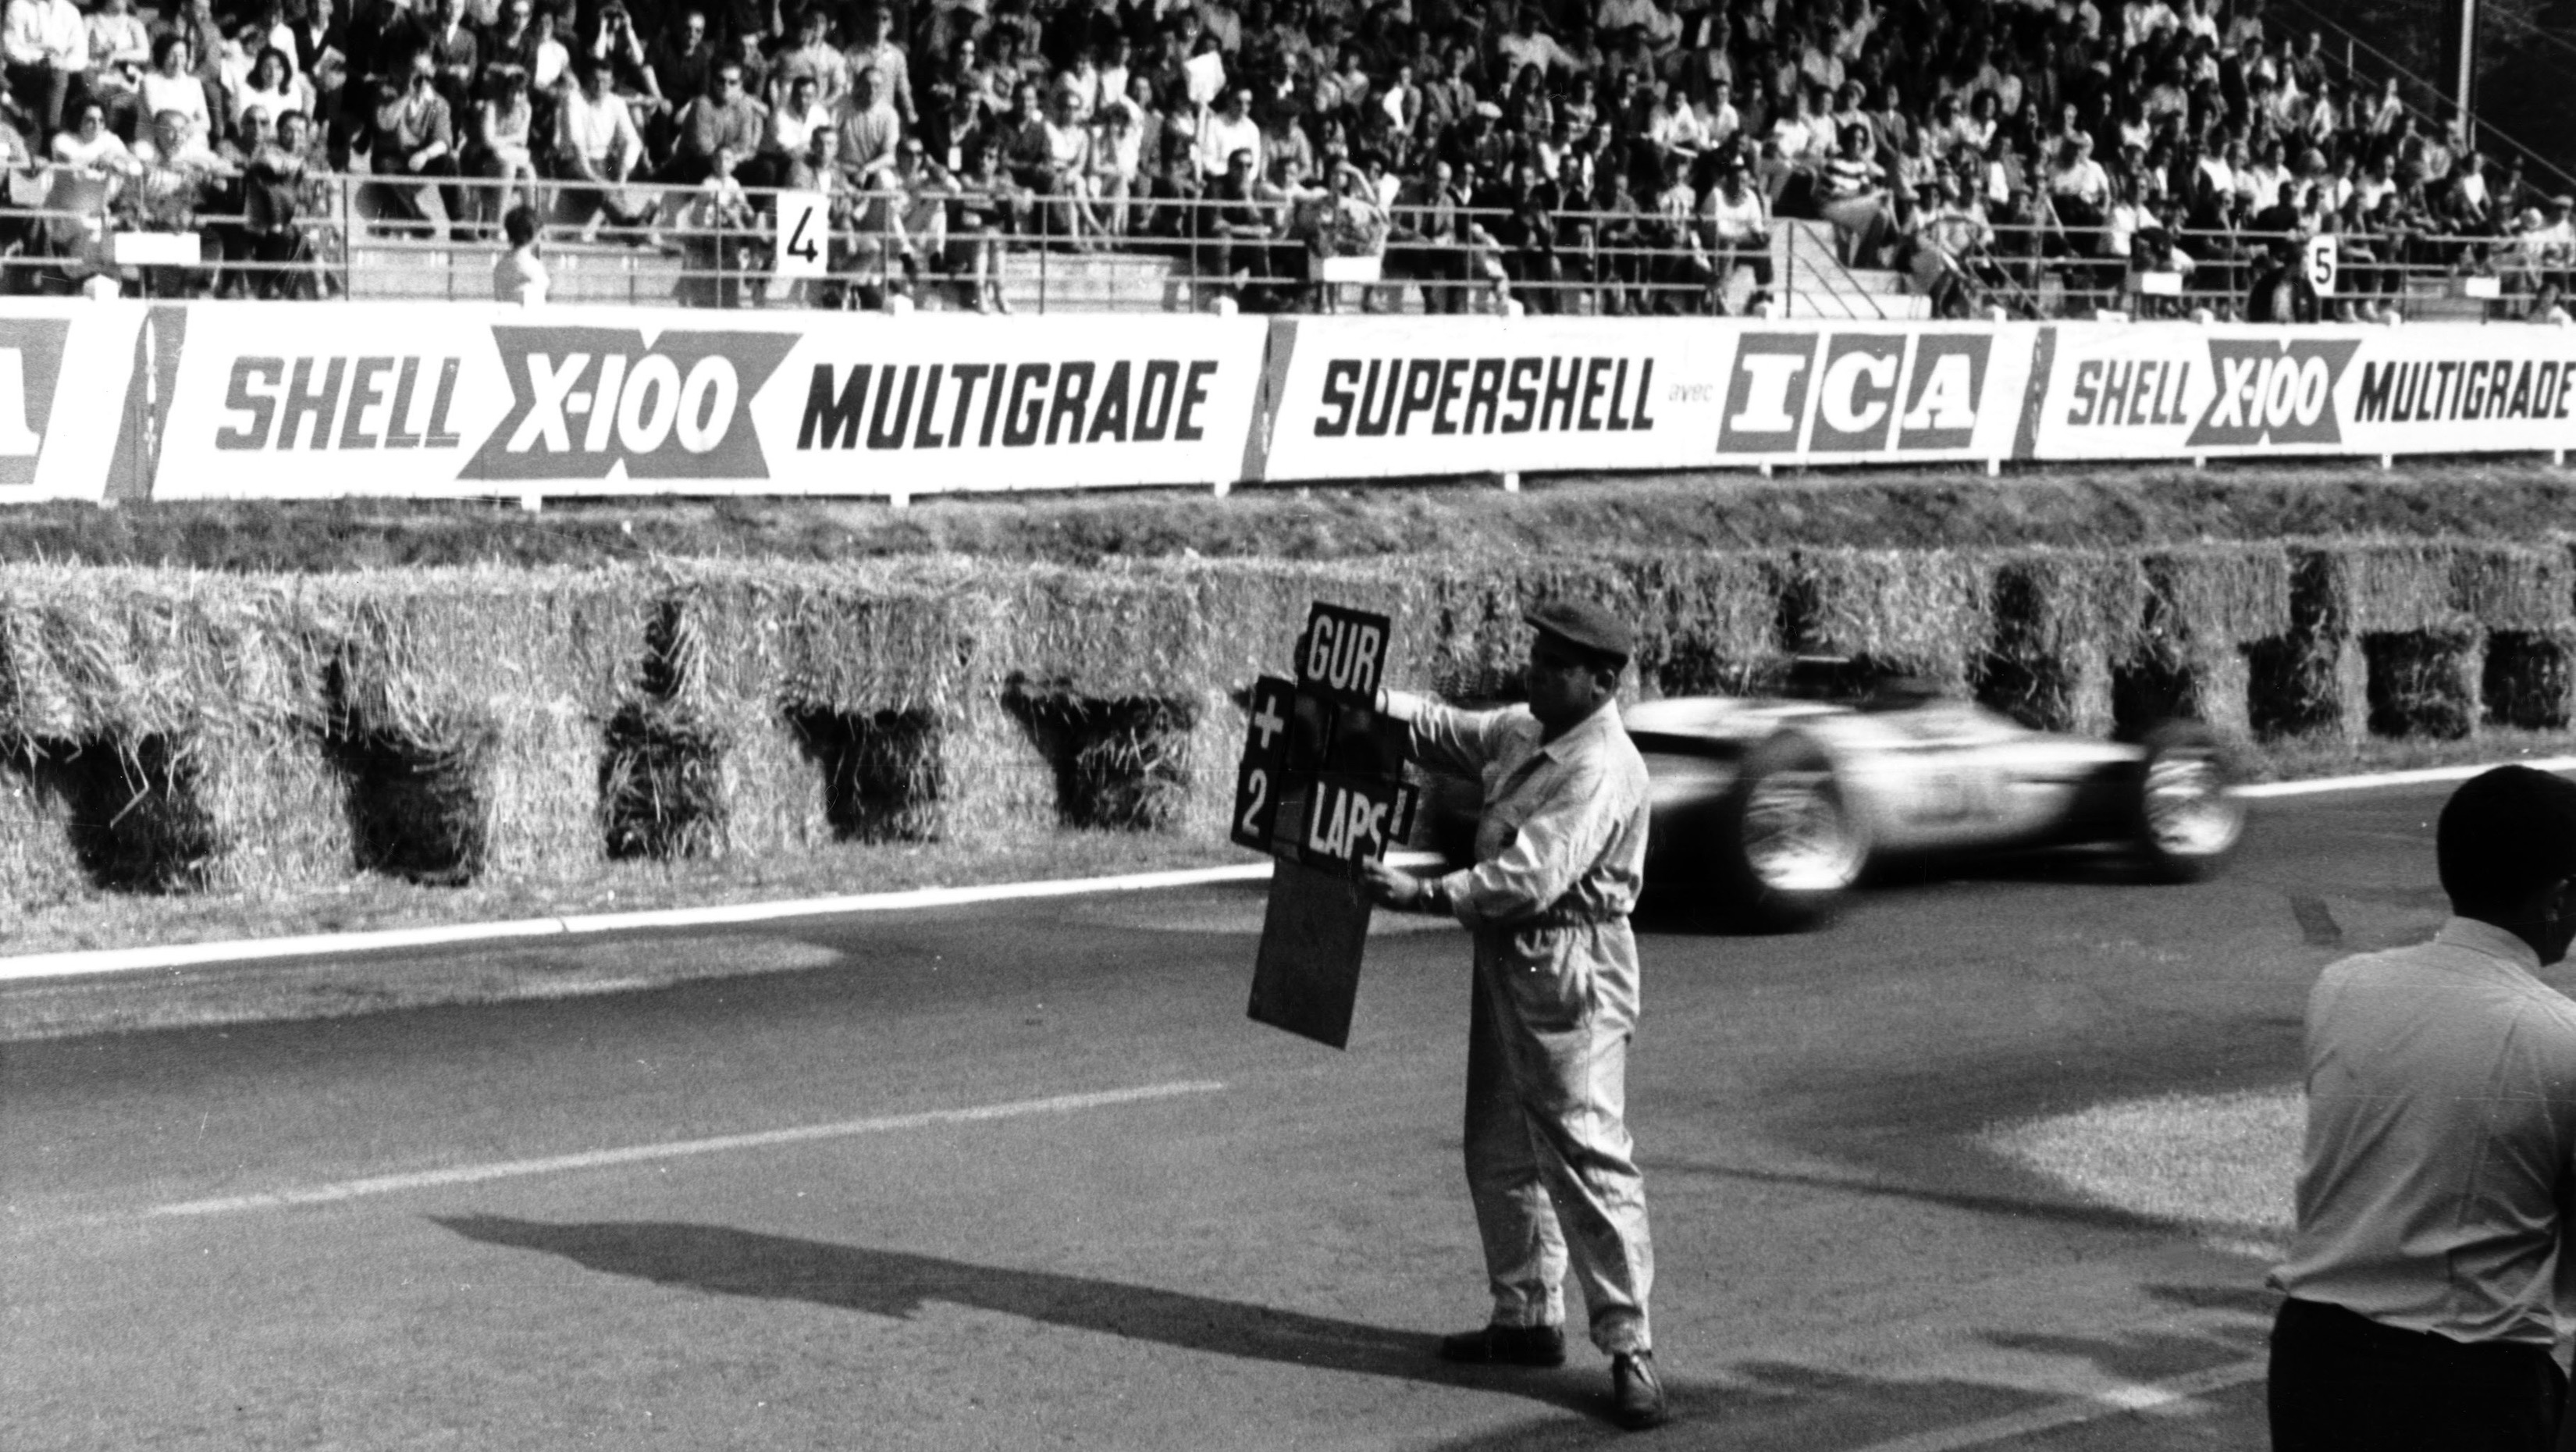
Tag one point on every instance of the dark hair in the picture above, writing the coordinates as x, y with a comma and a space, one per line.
2504, 835
519, 224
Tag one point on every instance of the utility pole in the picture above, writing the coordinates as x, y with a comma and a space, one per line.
2460, 55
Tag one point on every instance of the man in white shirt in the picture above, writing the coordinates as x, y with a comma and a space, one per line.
1226, 130
596, 150
46, 45
2425, 1276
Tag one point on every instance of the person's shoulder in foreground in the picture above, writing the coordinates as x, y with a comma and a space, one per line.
2422, 1278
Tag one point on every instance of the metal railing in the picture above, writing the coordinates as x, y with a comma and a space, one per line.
1007, 248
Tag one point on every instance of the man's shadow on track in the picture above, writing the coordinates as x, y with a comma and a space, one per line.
896, 1284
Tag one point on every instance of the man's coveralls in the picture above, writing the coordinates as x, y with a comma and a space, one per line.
1560, 854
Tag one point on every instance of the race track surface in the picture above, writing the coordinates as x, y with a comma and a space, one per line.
1025, 1176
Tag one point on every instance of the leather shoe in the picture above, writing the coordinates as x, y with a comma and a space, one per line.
1506, 1346
1636, 1393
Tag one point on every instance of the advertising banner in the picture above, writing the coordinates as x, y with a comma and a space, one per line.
1383, 397
2162, 391
1850, 393
368, 399
68, 396
1372, 398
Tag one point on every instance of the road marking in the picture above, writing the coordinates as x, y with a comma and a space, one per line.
2318, 786
676, 1149
2155, 1399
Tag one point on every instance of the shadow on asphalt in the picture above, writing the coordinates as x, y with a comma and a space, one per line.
2066, 1212
896, 1284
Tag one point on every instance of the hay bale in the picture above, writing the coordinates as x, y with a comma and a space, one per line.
184, 701
2427, 682
661, 785
495, 685
794, 668
2527, 678
1915, 612
2060, 619
2312, 678
2514, 587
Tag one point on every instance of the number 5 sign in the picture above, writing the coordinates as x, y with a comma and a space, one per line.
804, 234
2321, 265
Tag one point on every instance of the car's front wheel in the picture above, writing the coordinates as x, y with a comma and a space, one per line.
2185, 819
1789, 844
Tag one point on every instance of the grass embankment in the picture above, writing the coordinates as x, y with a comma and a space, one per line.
2094, 507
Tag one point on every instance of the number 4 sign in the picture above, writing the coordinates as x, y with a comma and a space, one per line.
804, 234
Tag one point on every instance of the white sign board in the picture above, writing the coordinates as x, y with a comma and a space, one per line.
2321, 263
804, 234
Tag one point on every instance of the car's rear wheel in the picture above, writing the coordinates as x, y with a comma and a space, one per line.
2185, 819
1788, 843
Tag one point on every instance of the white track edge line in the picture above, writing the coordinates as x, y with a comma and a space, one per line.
2318, 786
87, 962
189, 955
676, 1149
2155, 1398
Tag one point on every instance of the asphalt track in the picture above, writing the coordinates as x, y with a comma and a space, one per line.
1024, 1176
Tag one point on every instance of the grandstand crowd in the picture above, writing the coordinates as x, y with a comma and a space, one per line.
1603, 155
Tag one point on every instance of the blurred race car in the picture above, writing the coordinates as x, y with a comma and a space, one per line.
1768, 810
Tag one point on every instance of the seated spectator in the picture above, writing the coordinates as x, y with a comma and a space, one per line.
505, 131
1735, 230
273, 208
715, 226
865, 135
171, 86
1236, 233
796, 147
724, 119
979, 211
270, 90
415, 140
117, 34
1853, 196
1116, 160
620, 54
1229, 130
684, 61
597, 151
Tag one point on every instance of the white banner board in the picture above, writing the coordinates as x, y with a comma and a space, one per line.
368, 399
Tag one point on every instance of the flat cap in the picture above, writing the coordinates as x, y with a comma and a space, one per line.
1585, 626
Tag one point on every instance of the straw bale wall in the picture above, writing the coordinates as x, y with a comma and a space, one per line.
163, 730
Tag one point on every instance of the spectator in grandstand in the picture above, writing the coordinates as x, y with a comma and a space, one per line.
865, 135
979, 211
46, 47
270, 90
596, 152
273, 206
456, 55
816, 54
1853, 196
877, 49
1061, 173
1736, 231
723, 119
415, 140
684, 60
1117, 154
504, 147
519, 274
620, 54
171, 86
796, 146
1229, 130
715, 226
